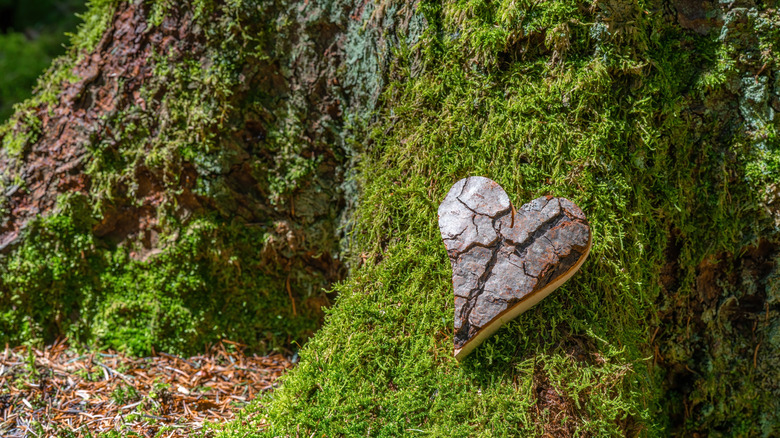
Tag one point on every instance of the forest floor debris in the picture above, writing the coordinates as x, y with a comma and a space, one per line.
58, 391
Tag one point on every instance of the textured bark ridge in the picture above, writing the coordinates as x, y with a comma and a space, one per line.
505, 260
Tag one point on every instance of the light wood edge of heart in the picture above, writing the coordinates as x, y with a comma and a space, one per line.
526, 303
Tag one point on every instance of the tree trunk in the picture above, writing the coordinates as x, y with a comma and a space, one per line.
189, 173
178, 180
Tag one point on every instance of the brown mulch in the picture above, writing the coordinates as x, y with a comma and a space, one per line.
59, 392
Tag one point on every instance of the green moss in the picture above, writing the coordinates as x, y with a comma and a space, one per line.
206, 287
608, 104
15, 143
95, 20
58, 258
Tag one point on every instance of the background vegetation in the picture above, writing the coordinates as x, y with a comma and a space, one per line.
31, 35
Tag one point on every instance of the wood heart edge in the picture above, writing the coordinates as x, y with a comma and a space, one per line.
524, 304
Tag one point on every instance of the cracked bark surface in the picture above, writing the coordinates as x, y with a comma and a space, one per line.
505, 260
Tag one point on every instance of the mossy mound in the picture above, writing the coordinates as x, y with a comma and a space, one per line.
175, 181
622, 107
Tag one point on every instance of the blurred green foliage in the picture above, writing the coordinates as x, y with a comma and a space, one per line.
32, 34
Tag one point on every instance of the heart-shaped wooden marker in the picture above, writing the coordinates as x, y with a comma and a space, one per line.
505, 260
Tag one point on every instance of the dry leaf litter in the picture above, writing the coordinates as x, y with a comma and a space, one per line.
59, 392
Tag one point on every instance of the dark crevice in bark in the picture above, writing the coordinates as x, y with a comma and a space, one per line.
521, 249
